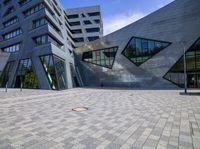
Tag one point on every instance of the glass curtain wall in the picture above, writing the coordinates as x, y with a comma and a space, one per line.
176, 73
25, 75
55, 70
4, 78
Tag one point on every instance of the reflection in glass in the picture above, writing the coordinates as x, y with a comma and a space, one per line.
176, 73
101, 57
140, 50
25, 75
55, 70
6, 74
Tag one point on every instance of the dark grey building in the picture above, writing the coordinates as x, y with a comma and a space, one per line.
37, 42
148, 53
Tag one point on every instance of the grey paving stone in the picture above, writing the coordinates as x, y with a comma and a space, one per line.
116, 118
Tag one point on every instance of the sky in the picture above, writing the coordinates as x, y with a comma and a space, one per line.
119, 13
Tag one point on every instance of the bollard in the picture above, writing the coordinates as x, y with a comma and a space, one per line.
6, 87
21, 87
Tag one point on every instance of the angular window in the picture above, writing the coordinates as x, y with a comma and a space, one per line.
6, 74
76, 31
12, 48
6, 2
12, 34
94, 14
78, 39
45, 39
93, 38
87, 22
9, 11
74, 16
33, 10
55, 70
176, 73
39, 22
77, 23
97, 21
23, 2
10, 22
25, 75
92, 30
139, 50
102, 57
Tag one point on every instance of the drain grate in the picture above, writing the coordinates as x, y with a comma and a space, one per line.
80, 109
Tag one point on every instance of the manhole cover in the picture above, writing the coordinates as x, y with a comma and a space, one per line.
80, 109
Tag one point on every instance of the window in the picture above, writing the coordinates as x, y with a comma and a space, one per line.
10, 22
78, 39
94, 14
12, 34
140, 50
39, 22
6, 2
25, 75
55, 70
76, 31
93, 38
97, 21
102, 57
33, 10
4, 78
176, 73
45, 39
74, 16
9, 11
92, 30
87, 22
12, 48
23, 2
77, 23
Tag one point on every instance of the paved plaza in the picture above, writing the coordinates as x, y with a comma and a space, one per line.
38, 119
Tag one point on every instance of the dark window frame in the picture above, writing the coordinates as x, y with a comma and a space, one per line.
164, 77
141, 38
98, 50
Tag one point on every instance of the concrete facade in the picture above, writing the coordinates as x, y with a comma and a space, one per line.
89, 18
177, 23
59, 42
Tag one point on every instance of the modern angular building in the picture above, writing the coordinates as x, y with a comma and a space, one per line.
37, 39
148, 53
85, 23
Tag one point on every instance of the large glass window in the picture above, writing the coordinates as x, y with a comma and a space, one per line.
102, 57
5, 76
176, 73
140, 50
55, 70
25, 75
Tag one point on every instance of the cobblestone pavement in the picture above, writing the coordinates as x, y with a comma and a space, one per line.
115, 119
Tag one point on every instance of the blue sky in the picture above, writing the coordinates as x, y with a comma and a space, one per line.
119, 13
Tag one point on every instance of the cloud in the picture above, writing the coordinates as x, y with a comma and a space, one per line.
114, 23
119, 21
